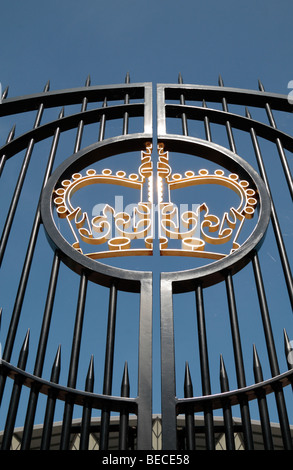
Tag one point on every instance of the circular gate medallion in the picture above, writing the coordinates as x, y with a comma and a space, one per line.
152, 217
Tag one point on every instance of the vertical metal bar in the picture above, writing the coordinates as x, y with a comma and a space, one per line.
169, 431
73, 367
87, 410
284, 422
83, 282
262, 404
144, 418
228, 125
29, 256
27, 266
19, 185
183, 116
207, 124
283, 418
265, 317
15, 396
274, 217
5, 235
204, 364
279, 145
66, 424
51, 402
47, 316
81, 123
161, 111
4, 157
208, 415
228, 421
108, 370
103, 123
76, 342
126, 115
248, 438
148, 111
124, 415
189, 414
40, 357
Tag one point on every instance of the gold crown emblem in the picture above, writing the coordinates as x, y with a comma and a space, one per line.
196, 230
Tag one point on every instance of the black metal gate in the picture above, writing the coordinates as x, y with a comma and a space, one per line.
116, 120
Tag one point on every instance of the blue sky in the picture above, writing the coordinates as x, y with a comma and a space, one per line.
64, 41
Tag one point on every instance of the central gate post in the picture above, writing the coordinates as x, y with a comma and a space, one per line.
169, 437
144, 415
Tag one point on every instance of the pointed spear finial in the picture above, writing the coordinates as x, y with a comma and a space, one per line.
256, 360
24, 352
257, 366
223, 376
260, 86
89, 383
88, 81
180, 79
57, 361
247, 113
5, 93
288, 350
188, 387
220, 81
55, 373
127, 78
11, 134
125, 386
61, 114
47, 86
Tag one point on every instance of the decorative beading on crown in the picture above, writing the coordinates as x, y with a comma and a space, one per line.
99, 230
197, 230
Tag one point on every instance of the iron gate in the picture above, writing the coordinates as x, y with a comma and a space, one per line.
28, 219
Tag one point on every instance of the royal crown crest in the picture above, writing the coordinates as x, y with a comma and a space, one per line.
115, 232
